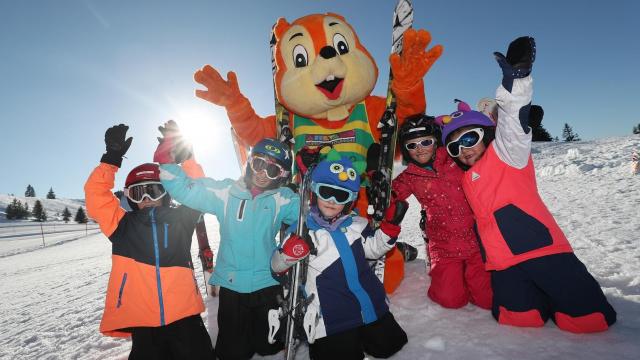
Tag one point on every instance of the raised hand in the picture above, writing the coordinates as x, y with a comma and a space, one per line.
116, 144
219, 91
393, 217
518, 62
413, 64
172, 147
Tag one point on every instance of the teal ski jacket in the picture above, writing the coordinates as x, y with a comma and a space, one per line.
248, 225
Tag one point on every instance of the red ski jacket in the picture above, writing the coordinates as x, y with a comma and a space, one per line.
449, 217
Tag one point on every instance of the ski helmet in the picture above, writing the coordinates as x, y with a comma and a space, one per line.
416, 126
463, 117
275, 150
144, 172
340, 173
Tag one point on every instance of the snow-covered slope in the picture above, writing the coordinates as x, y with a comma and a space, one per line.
52, 298
53, 207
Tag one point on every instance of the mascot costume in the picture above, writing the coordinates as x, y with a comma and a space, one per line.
323, 77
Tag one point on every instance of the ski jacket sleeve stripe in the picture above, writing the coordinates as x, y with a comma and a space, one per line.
288, 206
102, 204
203, 194
512, 143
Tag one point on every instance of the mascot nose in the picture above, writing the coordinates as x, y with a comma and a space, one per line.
328, 52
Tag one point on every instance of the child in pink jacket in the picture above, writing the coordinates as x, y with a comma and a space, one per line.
457, 271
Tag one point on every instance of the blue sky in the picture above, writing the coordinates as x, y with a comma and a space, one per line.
70, 69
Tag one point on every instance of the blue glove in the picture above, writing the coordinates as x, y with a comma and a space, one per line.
518, 62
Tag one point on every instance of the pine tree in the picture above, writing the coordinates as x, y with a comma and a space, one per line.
539, 133
51, 194
66, 215
568, 134
38, 212
11, 211
30, 192
81, 218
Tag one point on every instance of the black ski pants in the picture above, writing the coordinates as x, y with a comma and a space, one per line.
381, 339
243, 326
183, 339
555, 286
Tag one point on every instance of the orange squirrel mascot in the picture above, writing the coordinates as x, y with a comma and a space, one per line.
324, 77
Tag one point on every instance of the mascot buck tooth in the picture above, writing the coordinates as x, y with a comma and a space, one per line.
324, 77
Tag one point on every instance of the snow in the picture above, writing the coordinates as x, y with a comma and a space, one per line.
52, 297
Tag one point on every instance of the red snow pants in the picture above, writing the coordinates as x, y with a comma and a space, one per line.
456, 282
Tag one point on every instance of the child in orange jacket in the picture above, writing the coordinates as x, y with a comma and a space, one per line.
152, 296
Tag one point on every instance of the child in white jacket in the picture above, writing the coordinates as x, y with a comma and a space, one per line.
347, 298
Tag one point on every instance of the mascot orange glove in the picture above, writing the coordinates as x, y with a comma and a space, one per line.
413, 64
219, 91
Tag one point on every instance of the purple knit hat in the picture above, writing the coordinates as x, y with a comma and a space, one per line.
461, 118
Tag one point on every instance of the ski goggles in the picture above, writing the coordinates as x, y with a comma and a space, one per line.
271, 168
422, 143
152, 190
328, 192
467, 139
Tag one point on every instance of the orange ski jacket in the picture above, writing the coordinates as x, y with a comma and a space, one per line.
152, 281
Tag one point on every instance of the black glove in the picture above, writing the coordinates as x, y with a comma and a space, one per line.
117, 146
373, 157
535, 116
518, 62
182, 149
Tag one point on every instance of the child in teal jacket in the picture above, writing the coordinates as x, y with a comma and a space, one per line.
250, 212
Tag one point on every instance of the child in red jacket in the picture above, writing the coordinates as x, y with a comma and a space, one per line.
457, 272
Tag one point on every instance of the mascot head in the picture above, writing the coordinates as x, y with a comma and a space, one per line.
322, 69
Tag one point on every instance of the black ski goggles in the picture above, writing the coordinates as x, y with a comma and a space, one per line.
328, 192
151, 190
467, 139
271, 168
421, 143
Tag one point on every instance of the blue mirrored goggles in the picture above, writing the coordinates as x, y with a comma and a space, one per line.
467, 139
328, 192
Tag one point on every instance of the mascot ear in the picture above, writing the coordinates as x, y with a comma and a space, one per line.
281, 27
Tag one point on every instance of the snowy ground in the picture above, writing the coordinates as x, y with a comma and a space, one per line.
51, 297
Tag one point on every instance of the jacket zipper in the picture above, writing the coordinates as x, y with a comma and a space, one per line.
124, 280
157, 255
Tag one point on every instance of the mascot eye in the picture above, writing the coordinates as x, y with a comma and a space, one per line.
457, 114
300, 57
336, 168
352, 174
340, 44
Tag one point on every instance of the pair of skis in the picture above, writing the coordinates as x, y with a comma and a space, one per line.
379, 192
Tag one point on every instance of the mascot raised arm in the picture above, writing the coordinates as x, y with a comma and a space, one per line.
324, 77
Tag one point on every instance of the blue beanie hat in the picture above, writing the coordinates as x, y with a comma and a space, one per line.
338, 171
